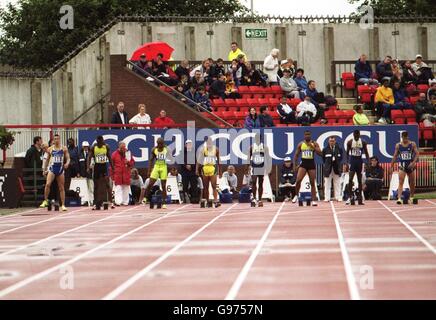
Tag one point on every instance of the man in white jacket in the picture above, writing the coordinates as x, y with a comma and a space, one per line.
306, 111
271, 66
288, 85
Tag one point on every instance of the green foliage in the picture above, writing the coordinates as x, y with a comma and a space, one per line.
399, 7
31, 37
6, 138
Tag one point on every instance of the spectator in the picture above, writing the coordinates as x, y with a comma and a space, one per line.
332, 158
252, 120
141, 117
218, 88
265, 120
203, 99
187, 171
183, 69
159, 65
185, 82
236, 72
231, 87
246, 181
400, 97
232, 180
286, 64
235, 52
271, 66
287, 115
163, 122
288, 85
363, 71
422, 70
301, 81
384, 99
181, 92
204, 69
34, 155
123, 162
306, 111
424, 109
198, 79
251, 76
374, 180
360, 118
141, 65
137, 186
193, 96
175, 173
431, 92
84, 173
287, 180
409, 75
217, 69
119, 116
318, 100
384, 69
73, 169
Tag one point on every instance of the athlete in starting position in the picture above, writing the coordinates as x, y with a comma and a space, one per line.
209, 160
56, 154
406, 153
307, 148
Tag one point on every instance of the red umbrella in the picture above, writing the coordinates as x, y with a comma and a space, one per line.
152, 49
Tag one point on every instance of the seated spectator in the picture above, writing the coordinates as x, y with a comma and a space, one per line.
181, 90
217, 69
203, 99
271, 66
218, 87
183, 69
384, 69
246, 181
286, 64
301, 81
251, 76
287, 114
185, 82
306, 111
252, 120
231, 87
318, 99
431, 92
163, 121
409, 75
137, 186
204, 69
374, 180
193, 96
287, 180
363, 71
197, 79
288, 85
142, 65
424, 109
400, 97
422, 70
174, 172
232, 180
384, 100
265, 120
141, 117
235, 52
235, 71
360, 118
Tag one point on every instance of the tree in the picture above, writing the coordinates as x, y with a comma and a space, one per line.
31, 36
399, 7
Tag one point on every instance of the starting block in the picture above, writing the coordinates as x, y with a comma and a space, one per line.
53, 206
156, 202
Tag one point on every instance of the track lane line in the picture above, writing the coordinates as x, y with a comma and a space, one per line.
351, 280
129, 282
18, 213
233, 292
46, 272
429, 201
414, 232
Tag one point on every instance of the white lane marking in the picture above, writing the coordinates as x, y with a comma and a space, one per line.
233, 292
129, 282
18, 213
351, 280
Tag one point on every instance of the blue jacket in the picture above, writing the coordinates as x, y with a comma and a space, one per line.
400, 95
194, 97
362, 70
301, 82
384, 70
250, 123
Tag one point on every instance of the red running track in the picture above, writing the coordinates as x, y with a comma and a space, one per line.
281, 251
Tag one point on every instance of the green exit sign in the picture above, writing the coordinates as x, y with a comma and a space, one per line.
256, 33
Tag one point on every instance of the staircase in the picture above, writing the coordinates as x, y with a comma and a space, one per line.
349, 103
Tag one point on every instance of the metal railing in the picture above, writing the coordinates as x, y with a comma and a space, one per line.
133, 67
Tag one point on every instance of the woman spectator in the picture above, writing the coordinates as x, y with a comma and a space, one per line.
301, 81
271, 66
123, 163
252, 120
141, 117
360, 118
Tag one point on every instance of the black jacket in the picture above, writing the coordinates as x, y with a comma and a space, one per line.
33, 156
287, 175
82, 164
266, 121
374, 172
217, 89
327, 156
384, 70
116, 119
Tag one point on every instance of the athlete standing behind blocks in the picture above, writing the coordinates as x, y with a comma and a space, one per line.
407, 154
307, 148
56, 154
260, 165
357, 147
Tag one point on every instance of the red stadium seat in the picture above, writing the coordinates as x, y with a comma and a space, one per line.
257, 92
274, 114
245, 92
366, 93
217, 103
422, 88
273, 103
228, 115
240, 115
294, 102
231, 105
330, 114
242, 103
263, 102
348, 80
413, 100
253, 103
268, 95
278, 124
427, 134
276, 89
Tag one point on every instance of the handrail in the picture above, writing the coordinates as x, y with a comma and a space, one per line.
98, 126
178, 93
91, 107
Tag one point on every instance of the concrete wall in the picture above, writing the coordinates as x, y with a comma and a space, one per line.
85, 79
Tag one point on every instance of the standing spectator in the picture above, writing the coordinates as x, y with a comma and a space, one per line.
301, 81
217, 69
235, 52
252, 120
141, 117
120, 116
288, 85
400, 97
384, 69
141, 65
34, 155
384, 99
306, 111
187, 171
422, 70
265, 120
360, 118
286, 113
137, 186
271, 66
163, 121
84, 173
123, 162
424, 109
73, 169
287, 180
363, 71
332, 159
374, 180
183, 69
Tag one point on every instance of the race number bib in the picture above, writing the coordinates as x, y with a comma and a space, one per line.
406, 156
307, 154
209, 160
57, 159
356, 152
101, 158
258, 159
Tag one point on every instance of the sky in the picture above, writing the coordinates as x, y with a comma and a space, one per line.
290, 7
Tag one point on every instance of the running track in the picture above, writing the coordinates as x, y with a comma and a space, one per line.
281, 251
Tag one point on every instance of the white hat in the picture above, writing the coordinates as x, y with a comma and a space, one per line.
418, 56
188, 141
287, 159
85, 144
283, 62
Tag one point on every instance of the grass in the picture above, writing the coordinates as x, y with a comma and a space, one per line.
5, 212
429, 195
